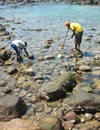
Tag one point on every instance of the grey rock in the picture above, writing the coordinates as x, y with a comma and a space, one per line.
11, 107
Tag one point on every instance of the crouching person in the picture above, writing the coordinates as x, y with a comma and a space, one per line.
18, 46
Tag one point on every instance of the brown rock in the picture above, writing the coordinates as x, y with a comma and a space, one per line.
68, 125
97, 116
18, 124
70, 116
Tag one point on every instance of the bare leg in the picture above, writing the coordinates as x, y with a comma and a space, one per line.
78, 46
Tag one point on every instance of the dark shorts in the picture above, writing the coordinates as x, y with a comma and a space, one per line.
16, 49
78, 37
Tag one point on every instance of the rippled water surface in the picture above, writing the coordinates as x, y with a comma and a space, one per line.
51, 18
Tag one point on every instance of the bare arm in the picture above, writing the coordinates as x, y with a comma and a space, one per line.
73, 34
26, 52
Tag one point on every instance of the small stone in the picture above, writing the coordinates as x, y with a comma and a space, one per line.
97, 116
70, 116
68, 125
83, 120
88, 116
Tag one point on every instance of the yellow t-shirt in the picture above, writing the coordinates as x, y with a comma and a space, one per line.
76, 27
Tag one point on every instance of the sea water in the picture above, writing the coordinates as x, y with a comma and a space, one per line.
50, 18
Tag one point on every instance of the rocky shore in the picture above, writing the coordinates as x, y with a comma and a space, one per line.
58, 101
2, 2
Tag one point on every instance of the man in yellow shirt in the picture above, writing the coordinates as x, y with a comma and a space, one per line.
77, 32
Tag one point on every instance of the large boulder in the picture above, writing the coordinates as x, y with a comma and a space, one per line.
11, 107
82, 102
57, 88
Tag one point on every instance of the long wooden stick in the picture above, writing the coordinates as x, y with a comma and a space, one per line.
64, 40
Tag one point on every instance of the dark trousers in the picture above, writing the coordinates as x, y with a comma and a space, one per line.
16, 49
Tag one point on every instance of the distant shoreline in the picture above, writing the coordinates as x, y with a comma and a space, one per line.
23, 2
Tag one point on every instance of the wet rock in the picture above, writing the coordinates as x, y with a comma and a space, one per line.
68, 125
97, 91
28, 84
53, 96
85, 68
49, 41
39, 107
48, 110
82, 102
2, 27
33, 99
38, 29
20, 80
12, 70
88, 38
97, 57
11, 107
70, 116
83, 120
5, 54
97, 83
57, 89
93, 125
29, 71
97, 116
96, 62
47, 46
6, 90
48, 57
3, 33
38, 77
22, 93
28, 65
75, 54
2, 83
83, 86
9, 62
60, 56
50, 123
18, 124
88, 116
